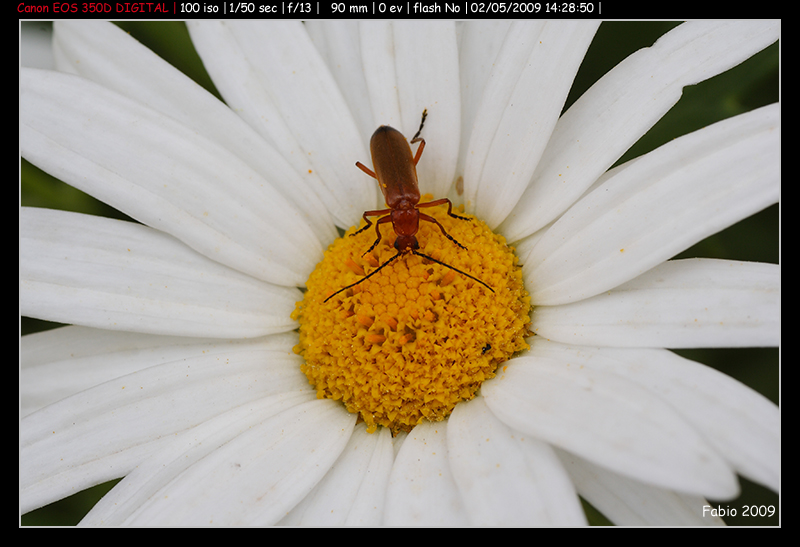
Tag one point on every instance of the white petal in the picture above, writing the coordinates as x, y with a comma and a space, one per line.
740, 423
430, 81
377, 57
104, 53
688, 303
61, 362
610, 421
248, 467
478, 47
606, 120
632, 503
663, 203
164, 175
502, 53
368, 508
507, 478
271, 74
422, 491
339, 43
184, 450
524, 246
519, 109
119, 275
354, 490
404, 77
104, 432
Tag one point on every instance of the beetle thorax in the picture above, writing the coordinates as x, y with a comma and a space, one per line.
405, 221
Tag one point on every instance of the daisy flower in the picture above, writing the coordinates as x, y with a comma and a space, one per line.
185, 372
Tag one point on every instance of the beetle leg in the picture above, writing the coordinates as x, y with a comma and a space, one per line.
366, 214
423, 216
442, 202
382, 220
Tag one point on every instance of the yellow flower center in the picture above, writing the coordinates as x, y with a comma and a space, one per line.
416, 338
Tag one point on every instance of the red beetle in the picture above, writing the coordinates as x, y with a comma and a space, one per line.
396, 173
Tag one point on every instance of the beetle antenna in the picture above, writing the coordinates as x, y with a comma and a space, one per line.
451, 267
365, 277
395, 257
